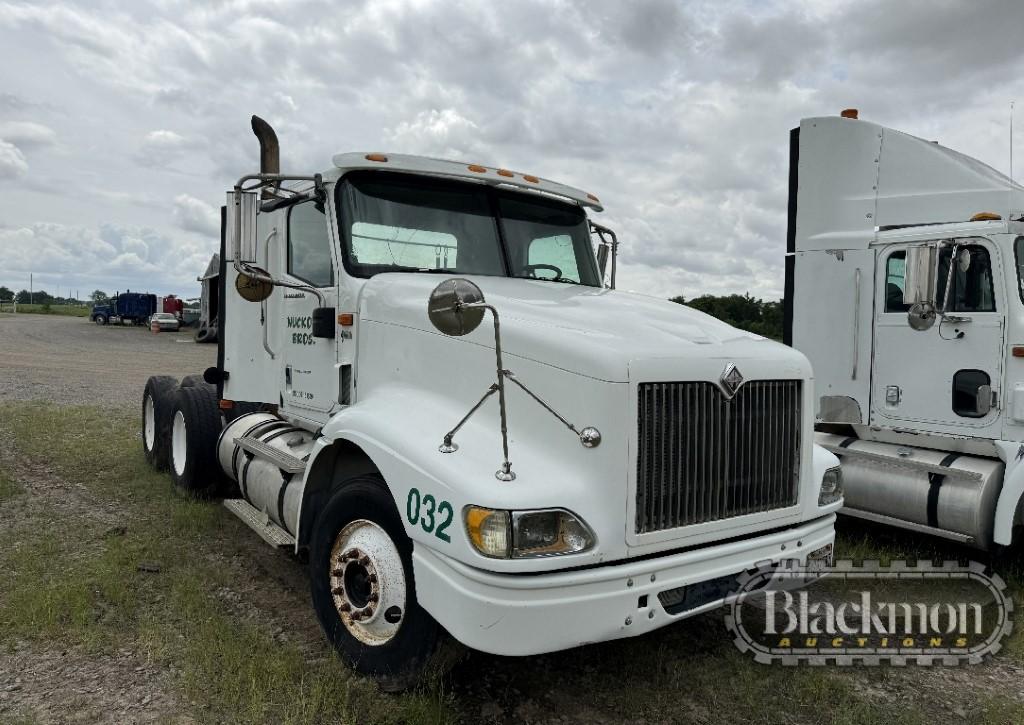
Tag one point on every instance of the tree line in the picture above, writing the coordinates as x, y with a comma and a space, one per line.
42, 297
742, 311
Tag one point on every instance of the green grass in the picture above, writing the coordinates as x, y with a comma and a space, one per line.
74, 579
72, 310
69, 574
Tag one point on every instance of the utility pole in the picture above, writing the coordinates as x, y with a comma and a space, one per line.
31, 289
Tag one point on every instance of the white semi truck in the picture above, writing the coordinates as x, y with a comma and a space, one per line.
904, 289
425, 385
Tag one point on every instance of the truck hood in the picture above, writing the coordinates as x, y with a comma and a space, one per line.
585, 330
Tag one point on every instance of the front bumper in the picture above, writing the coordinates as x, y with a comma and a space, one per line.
523, 614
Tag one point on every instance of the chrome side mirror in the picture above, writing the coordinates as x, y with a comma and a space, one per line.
602, 259
920, 272
448, 308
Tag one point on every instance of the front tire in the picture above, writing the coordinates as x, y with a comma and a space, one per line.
363, 590
157, 400
195, 425
101, 319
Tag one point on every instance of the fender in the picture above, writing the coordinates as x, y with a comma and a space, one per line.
1009, 497
397, 431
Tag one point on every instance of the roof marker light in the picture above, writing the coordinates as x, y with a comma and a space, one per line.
531, 179
376, 157
477, 168
505, 172
593, 198
986, 216
849, 113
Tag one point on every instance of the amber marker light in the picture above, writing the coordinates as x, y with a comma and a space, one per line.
226, 404
477, 168
531, 179
1018, 350
377, 157
346, 319
986, 216
505, 172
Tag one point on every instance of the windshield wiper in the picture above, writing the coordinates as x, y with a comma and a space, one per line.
438, 270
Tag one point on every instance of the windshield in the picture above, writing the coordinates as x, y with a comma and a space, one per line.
401, 223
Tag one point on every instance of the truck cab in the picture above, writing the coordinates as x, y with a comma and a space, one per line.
472, 433
903, 289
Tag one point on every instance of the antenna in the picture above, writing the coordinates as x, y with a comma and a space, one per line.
1011, 140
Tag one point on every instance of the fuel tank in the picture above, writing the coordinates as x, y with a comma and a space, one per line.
938, 492
263, 482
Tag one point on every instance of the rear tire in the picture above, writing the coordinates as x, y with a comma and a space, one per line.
393, 640
101, 319
195, 425
157, 400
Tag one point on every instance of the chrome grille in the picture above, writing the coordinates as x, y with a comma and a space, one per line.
703, 457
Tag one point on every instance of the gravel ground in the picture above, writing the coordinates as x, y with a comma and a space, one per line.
71, 361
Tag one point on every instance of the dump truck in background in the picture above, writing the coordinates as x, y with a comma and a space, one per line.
125, 307
904, 284
367, 407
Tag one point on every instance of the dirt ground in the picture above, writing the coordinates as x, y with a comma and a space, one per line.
689, 672
71, 361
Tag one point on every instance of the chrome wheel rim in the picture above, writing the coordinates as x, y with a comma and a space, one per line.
178, 435
367, 582
149, 422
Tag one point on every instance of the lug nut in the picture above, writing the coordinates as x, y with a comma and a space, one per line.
372, 578
364, 560
356, 616
338, 591
344, 606
374, 597
338, 572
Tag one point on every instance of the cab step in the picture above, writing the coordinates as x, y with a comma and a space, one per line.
287, 463
260, 523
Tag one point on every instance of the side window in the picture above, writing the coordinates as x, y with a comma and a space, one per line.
972, 279
966, 384
558, 252
895, 278
309, 245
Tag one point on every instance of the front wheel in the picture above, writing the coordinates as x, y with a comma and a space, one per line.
363, 590
101, 319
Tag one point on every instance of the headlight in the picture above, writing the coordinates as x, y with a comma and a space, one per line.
526, 534
831, 487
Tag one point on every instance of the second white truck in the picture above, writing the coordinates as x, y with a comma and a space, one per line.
904, 287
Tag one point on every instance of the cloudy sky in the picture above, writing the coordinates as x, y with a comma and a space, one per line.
122, 123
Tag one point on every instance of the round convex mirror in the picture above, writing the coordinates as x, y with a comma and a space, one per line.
921, 315
447, 311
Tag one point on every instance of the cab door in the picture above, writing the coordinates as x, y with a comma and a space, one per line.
945, 378
309, 384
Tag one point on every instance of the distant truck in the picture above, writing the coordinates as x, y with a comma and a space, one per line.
905, 289
131, 307
172, 305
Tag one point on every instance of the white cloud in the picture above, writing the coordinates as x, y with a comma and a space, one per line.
12, 161
195, 215
27, 134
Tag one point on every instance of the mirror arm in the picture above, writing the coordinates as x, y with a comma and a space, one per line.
949, 281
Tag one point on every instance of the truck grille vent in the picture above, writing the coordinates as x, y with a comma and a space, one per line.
703, 457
